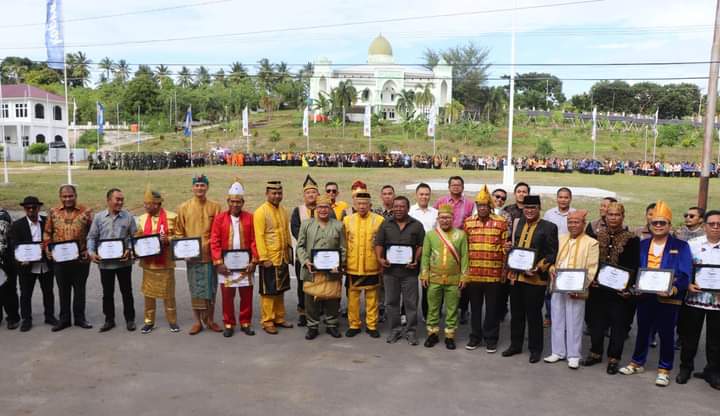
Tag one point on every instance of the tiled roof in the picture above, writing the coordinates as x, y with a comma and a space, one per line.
24, 90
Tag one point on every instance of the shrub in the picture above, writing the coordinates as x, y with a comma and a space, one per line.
37, 148
274, 136
670, 134
544, 148
382, 148
89, 138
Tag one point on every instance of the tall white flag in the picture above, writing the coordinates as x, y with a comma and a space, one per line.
594, 126
245, 125
657, 113
306, 124
367, 121
431, 122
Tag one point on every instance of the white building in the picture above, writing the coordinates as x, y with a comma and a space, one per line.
380, 82
30, 115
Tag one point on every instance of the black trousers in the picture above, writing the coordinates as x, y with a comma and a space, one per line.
424, 303
609, 310
464, 301
300, 291
489, 330
9, 298
107, 277
526, 302
502, 302
71, 278
27, 286
691, 327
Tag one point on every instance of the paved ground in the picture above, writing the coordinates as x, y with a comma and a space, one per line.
82, 372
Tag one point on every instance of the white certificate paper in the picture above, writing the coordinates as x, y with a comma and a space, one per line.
654, 281
708, 278
28, 252
613, 277
110, 249
186, 248
62, 252
570, 280
521, 259
147, 246
326, 260
399, 254
3, 277
236, 260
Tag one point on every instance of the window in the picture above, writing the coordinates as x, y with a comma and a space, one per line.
39, 111
57, 113
20, 110
5, 113
40, 138
26, 141
58, 139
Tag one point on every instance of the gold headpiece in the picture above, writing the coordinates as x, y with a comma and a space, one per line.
151, 196
483, 197
662, 210
445, 209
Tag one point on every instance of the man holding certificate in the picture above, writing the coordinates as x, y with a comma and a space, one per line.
577, 256
665, 269
158, 268
232, 245
702, 306
533, 250
109, 245
68, 225
321, 249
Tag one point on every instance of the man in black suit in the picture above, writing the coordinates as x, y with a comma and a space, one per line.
30, 229
8, 282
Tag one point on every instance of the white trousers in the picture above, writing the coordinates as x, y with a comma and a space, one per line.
567, 316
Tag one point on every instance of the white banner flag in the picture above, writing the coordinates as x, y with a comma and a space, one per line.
245, 123
306, 124
594, 125
431, 122
367, 121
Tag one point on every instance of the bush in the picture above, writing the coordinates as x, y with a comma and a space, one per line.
37, 149
670, 134
382, 148
89, 138
274, 136
544, 148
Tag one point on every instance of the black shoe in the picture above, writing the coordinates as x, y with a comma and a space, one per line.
302, 321
511, 351
381, 316
590, 361
431, 340
84, 324
60, 326
13, 324
473, 344
333, 331
147, 328
108, 325
374, 333
228, 332
463, 317
394, 337
534, 357
51, 321
247, 330
25, 325
343, 312
450, 343
683, 376
613, 368
131, 326
311, 333
351, 332
174, 328
699, 374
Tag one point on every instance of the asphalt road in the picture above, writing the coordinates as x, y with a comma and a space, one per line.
83, 372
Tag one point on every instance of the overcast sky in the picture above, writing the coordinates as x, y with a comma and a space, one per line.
600, 32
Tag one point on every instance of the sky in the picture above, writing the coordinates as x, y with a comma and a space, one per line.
609, 31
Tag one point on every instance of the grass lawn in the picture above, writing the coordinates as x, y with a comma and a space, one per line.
635, 192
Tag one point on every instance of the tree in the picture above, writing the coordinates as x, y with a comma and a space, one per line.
406, 104
615, 96
322, 104
344, 97
538, 89
145, 71
581, 102
496, 103
266, 75
202, 76
141, 91
237, 73
122, 71
185, 79
162, 73
646, 96
78, 67
454, 111
678, 100
425, 99
107, 65
469, 72
219, 78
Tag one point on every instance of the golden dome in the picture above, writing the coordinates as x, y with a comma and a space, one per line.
380, 46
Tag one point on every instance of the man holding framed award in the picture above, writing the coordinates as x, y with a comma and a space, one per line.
321, 249
234, 254
575, 267
660, 255
69, 222
109, 246
158, 267
703, 306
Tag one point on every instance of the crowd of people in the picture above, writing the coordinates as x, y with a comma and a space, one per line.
461, 254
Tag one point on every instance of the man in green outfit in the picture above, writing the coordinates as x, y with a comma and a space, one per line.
444, 262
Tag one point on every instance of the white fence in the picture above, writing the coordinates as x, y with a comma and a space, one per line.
53, 155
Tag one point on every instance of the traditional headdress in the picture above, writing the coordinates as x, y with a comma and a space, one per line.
151, 196
531, 200
323, 200
579, 214
236, 189
445, 209
662, 211
201, 178
362, 196
483, 197
357, 186
273, 185
309, 184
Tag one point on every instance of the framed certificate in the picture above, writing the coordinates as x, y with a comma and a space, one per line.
146, 246
111, 249
654, 280
707, 277
400, 254
325, 260
64, 251
613, 277
236, 260
29, 252
186, 248
521, 259
569, 280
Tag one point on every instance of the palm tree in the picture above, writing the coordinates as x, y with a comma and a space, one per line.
406, 104
454, 110
237, 72
122, 71
322, 103
282, 72
202, 76
144, 71
344, 96
219, 77
79, 68
267, 102
425, 98
266, 75
496, 103
107, 65
185, 77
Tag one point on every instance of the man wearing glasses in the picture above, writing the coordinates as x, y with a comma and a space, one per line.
693, 226
499, 199
340, 208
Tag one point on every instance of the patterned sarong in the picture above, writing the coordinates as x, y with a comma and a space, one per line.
203, 283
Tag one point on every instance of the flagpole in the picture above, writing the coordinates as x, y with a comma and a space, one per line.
50, 132
97, 130
509, 169
138, 130
189, 123
67, 114
594, 131
2, 128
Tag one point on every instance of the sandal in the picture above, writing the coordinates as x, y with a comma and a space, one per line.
662, 379
631, 369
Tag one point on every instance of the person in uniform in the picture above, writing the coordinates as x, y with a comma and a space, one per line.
233, 230
272, 238
194, 220
158, 280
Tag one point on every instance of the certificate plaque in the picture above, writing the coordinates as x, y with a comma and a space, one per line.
569, 280
707, 277
186, 248
654, 281
521, 259
325, 260
64, 251
613, 277
400, 254
147, 246
111, 249
28, 252
236, 260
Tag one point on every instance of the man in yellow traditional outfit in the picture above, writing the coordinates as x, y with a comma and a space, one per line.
272, 237
194, 219
158, 271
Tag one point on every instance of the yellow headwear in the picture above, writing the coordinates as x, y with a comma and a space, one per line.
483, 197
445, 209
662, 210
309, 184
323, 200
151, 196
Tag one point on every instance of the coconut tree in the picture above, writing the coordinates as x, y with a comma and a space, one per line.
185, 77
425, 99
202, 76
107, 65
322, 104
122, 71
496, 103
406, 104
343, 97
237, 73
454, 111
266, 75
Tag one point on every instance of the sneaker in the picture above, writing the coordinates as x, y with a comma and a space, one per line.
146, 329
174, 328
394, 337
431, 340
411, 338
662, 379
374, 333
491, 349
553, 358
631, 369
450, 343
351, 332
573, 363
473, 344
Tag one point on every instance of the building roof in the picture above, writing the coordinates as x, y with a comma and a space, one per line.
24, 90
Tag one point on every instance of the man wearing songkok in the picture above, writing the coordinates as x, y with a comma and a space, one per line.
659, 312
363, 270
612, 309
233, 230
194, 219
272, 238
486, 234
528, 287
318, 233
577, 251
444, 262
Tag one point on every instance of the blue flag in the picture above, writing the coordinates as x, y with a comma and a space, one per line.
187, 125
54, 36
100, 118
